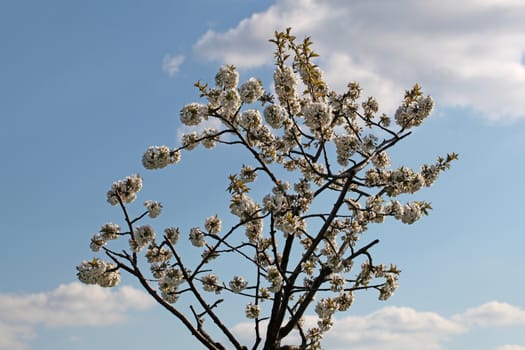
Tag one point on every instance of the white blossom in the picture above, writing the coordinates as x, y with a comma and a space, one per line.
286, 88
209, 138
110, 231
346, 146
337, 282
243, 206
190, 140
381, 160
125, 189
213, 224
251, 90
290, 224
158, 157
254, 230
326, 307
370, 107
248, 173
143, 235
154, 208
172, 234
210, 283
99, 272
411, 213
169, 283
155, 254
238, 284
97, 242
413, 114
171, 278
227, 77
197, 237
390, 286
318, 117
274, 277
193, 113
252, 310
344, 301
250, 119
230, 102
274, 115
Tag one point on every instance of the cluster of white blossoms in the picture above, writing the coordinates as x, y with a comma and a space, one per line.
413, 114
346, 146
210, 283
238, 284
326, 307
169, 283
243, 206
337, 282
252, 311
412, 212
254, 230
158, 157
193, 114
209, 138
154, 208
197, 237
275, 278
250, 120
107, 232
213, 224
286, 88
368, 272
344, 301
389, 287
370, 107
230, 102
172, 234
318, 117
274, 115
404, 180
290, 224
99, 272
142, 236
227, 77
190, 140
156, 254
251, 90
381, 160
276, 203
125, 189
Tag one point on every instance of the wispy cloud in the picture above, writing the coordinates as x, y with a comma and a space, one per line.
68, 305
171, 64
467, 53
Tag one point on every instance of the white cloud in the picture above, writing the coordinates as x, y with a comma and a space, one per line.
15, 337
491, 315
171, 64
68, 305
390, 328
466, 53
511, 347
403, 328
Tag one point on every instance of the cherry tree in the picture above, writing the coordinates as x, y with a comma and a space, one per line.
313, 145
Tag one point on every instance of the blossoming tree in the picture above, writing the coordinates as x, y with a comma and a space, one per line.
312, 146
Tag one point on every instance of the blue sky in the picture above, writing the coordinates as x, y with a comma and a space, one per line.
86, 87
